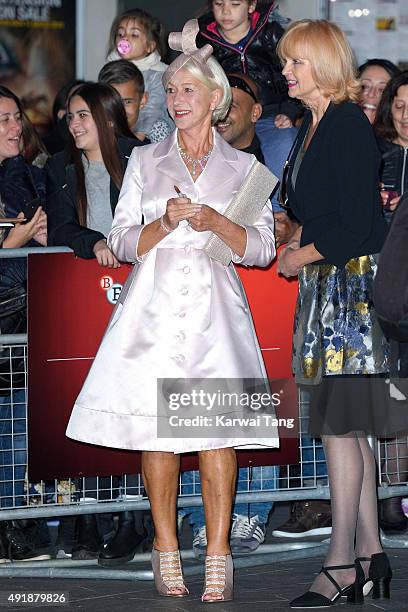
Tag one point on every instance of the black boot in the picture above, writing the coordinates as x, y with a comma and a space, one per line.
16, 544
392, 519
88, 541
38, 533
126, 542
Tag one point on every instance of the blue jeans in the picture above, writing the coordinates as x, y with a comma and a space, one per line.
275, 144
262, 478
13, 449
313, 459
14, 485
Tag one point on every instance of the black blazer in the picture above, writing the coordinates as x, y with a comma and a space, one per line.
63, 223
336, 197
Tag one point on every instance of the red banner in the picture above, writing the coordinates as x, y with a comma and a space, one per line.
69, 304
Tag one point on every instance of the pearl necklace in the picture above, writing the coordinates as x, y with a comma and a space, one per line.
201, 161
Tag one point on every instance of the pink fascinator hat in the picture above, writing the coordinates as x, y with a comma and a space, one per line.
185, 42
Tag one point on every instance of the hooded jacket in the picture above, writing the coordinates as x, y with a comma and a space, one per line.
258, 57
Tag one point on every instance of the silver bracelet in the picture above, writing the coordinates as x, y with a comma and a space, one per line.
164, 227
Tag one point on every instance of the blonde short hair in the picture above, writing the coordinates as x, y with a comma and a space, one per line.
219, 81
332, 61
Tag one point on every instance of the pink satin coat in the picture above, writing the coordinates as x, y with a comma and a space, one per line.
181, 314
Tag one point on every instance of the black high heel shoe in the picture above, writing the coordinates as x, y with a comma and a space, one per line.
353, 592
379, 576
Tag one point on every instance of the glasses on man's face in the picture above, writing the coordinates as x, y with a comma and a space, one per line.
283, 191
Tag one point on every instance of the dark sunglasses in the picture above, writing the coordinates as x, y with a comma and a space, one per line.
238, 83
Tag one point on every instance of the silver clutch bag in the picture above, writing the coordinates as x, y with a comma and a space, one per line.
245, 208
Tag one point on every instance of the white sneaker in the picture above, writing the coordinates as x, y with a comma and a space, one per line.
246, 534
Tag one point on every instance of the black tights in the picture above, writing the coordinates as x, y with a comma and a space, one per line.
353, 490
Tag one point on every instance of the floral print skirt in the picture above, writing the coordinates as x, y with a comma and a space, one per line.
340, 352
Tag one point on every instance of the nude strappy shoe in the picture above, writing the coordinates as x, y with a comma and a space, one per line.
219, 579
168, 575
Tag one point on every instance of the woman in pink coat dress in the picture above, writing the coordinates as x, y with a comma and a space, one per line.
181, 315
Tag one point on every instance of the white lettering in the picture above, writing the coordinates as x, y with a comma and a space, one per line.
31, 13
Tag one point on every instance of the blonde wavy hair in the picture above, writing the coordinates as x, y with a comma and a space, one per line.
332, 60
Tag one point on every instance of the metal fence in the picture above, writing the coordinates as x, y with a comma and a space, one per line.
20, 499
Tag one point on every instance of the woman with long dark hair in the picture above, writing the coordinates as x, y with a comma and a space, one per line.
374, 75
84, 181
391, 129
20, 183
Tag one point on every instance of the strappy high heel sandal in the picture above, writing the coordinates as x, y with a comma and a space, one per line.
168, 574
353, 592
379, 576
219, 579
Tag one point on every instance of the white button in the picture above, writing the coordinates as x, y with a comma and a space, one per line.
182, 315
179, 358
184, 291
181, 336
186, 269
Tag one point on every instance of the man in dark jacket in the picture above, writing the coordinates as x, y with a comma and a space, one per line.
239, 130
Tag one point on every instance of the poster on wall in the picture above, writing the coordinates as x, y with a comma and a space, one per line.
375, 28
37, 52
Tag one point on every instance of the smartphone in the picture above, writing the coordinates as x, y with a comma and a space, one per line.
11, 221
31, 208
391, 194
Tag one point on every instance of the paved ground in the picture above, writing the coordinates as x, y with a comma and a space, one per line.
265, 588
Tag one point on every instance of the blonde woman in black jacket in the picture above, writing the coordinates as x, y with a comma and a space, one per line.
339, 350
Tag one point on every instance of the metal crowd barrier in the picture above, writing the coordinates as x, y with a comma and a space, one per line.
20, 499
